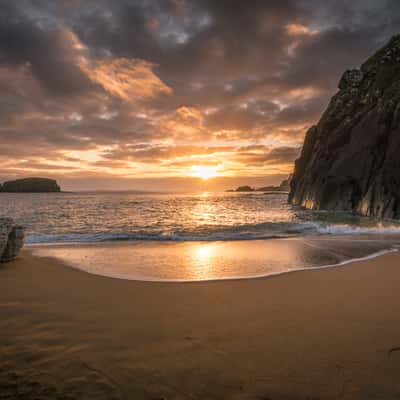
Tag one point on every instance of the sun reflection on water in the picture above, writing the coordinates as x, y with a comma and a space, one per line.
204, 258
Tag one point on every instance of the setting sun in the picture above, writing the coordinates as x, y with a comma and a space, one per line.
204, 172
167, 158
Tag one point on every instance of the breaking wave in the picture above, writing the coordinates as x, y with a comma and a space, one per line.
266, 230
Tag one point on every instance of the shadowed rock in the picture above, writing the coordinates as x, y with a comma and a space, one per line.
11, 239
31, 185
244, 189
350, 159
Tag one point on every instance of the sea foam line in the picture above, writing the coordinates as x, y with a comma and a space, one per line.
244, 232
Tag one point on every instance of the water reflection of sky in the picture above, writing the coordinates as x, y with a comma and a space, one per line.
211, 260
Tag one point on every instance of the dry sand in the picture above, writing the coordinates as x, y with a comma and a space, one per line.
322, 334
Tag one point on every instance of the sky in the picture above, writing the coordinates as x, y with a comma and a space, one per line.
173, 94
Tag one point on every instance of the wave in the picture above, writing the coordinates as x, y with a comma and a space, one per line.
267, 230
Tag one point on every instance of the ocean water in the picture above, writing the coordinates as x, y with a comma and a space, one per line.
97, 217
189, 237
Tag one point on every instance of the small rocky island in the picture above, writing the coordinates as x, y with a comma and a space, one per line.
284, 186
351, 158
30, 185
11, 239
11, 234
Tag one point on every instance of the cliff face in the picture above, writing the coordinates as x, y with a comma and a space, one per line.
30, 185
351, 158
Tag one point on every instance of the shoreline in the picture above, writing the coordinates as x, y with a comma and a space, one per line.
40, 251
326, 334
373, 256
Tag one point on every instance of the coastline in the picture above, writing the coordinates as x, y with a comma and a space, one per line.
214, 255
58, 260
322, 333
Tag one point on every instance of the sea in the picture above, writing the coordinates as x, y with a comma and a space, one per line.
193, 236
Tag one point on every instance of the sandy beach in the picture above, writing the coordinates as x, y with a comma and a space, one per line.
321, 334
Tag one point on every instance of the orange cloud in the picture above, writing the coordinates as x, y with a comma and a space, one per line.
185, 123
299, 29
189, 114
129, 80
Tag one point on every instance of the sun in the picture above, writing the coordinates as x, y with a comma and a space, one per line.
204, 172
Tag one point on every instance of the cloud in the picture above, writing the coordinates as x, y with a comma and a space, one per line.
127, 79
300, 30
113, 89
50, 56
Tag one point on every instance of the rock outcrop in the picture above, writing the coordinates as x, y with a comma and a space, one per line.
285, 184
351, 158
244, 189
11, 239
31, 185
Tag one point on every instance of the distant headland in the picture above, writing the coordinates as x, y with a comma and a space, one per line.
284, 186
30, 185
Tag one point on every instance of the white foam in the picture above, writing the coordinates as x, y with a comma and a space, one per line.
268, 230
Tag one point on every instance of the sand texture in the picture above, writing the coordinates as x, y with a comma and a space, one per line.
322, 334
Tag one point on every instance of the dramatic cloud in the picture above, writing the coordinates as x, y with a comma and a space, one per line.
128, 79
114, 90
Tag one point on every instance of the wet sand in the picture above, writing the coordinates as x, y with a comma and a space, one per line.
216, 260
318, 334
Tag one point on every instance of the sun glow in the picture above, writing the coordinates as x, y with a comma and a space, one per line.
204, 172
204, 258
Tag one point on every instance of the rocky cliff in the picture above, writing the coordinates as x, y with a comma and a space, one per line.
11, 239
30, 185
351, 158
